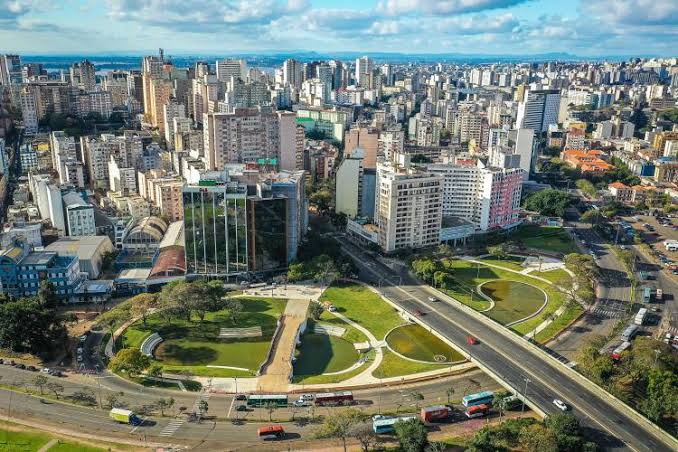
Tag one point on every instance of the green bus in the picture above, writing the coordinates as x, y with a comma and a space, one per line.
260, 400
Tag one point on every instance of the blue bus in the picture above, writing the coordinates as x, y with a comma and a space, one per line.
388, 425
480, 398
260, 400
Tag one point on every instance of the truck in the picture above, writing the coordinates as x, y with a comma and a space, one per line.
647, 294
629, 333
640, 316
435, 413
659, 295
124, 416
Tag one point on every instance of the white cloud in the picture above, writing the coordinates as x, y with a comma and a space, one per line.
441, 7
633, 12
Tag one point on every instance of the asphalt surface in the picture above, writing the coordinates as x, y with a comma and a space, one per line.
615, 429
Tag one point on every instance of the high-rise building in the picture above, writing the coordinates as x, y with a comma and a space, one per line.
29, 97
366, 139
215, 228
292, 73
83, 75
10, 70
539, 110
364, 68
231, 68
348, 191
79, 215
407, 206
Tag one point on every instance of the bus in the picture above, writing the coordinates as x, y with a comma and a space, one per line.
647, 294
334, 398
640, 316
271, 432
479, 398
477, 411
629, 333
259, 400
616, 353
388, 425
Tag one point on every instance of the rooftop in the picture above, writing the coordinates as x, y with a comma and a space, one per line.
38, 258
85, 247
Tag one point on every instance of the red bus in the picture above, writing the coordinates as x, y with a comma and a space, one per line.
616, 353
271, 432
477, 411
334, 398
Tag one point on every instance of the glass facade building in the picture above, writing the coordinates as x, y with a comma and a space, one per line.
215, 228
267, 233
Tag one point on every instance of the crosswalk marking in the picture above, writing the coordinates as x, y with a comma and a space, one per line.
172, 427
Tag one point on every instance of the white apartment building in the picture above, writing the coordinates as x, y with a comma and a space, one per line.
79, 215
408, 205
121, 180
29, 108
171, 111
231, 68
348, 189
539, 110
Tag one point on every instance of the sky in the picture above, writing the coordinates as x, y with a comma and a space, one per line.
492, 27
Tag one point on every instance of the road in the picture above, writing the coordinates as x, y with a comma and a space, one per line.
614, 295
512, 361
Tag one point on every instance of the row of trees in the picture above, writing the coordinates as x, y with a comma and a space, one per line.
32, 324
557, 433
582, 288
646, 376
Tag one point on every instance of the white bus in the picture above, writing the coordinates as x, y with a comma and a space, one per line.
640, 316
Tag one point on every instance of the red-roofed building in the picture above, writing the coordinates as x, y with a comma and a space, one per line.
621, 192
171, 262
586, 161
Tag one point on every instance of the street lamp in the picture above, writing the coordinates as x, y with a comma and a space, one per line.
527, 380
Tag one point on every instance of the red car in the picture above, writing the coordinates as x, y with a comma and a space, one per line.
418, 312
471, 340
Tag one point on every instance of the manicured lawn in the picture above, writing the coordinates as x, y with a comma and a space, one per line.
325, 379
511, 262
203, 371
465, 273
545, 238
364, 307
352, 334
413, 341
558, 324
191, 346
395, 366
513, 300
557, 276
190, 385
320, 353
22, 441
73, 447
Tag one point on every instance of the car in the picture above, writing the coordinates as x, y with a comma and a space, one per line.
300, 403
432, 299
471, 340
32, 368
418, 312
83, 338
562, 406
306, 397
241, 408
79, 351
377, 417
46, 370
623, 247
20, 366
241, 397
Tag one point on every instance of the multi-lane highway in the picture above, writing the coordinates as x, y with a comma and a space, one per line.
512, 360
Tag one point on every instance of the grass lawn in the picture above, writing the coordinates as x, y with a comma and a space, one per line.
18, 438
325, 379
557, 276
73, 447
513, 300
512, 262
321, 353
465, 273
547, 238
191, 346
413, 341
558, 324
352, 334
363, 306
190, 385
395, 366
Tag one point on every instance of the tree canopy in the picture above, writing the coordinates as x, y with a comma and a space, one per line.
549, 202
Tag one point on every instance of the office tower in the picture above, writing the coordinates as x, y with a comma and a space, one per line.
247, 135
10, 70
539, 110
338, 75
326, 76
151, 68
366, 139
288, 141
364, 67
407, 206
292, 73
4, 162
231, 68
83, 75
388, 73
215, 228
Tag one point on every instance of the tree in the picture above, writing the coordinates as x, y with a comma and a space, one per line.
499, 251
587, 187
327, 272
424, 268
339, 424
129, 360
500, 401
40, 381
164, 404
416, 397
296, 272
662, 395
566, 430
321, 200
234, 308
590, 216
155, 370
47, 294
141, 304
549, 202
55, 388
315, 310
270, 407
26, 325
538, 438
412, 435
113, 400
364, 433
449, 393
85, 397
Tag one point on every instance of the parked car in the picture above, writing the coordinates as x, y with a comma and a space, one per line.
241, 397
241, 408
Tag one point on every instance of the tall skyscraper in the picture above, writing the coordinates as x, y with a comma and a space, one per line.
292, 73
231, 68
83, 75
10, 70
364, 67
539, 109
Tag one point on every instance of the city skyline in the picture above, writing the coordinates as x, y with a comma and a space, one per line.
473, 27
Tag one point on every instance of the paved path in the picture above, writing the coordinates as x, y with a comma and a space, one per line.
49, 445
276, 376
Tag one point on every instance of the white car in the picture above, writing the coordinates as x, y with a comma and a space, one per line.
562, 406
306, 397
301, 403
432, 299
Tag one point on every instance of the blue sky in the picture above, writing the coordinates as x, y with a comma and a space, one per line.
587, 28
